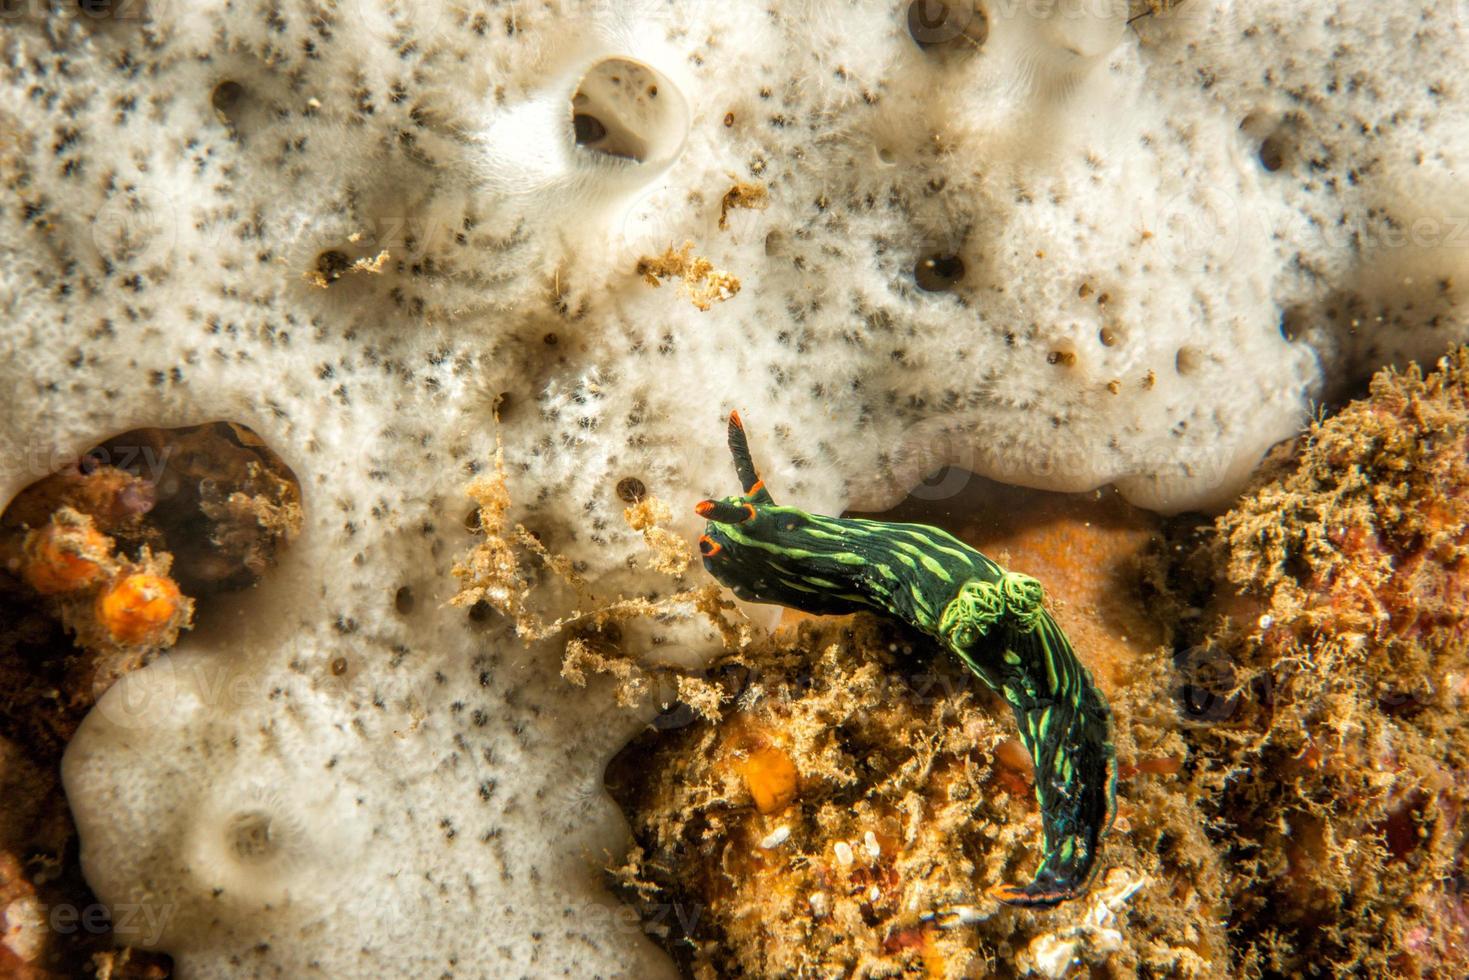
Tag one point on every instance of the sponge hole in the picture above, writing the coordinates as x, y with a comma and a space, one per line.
226, 99
625, 109
1293, 322
1275, 152
214, 497
244, 108
249, 837
1277, 139
1188, 360
130, 13
936, 24
938, 271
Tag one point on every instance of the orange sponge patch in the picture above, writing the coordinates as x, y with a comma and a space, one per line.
67, 555
140, 609
770, 776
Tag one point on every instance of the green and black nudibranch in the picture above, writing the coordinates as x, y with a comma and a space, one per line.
991, 619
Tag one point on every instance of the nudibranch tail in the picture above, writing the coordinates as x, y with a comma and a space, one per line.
1004, 634
1070, 741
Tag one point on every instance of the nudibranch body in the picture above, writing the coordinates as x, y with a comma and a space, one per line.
991, 619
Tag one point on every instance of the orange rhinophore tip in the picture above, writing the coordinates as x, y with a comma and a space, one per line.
708, 547
704, 508
65, 556
734, 419
139, 609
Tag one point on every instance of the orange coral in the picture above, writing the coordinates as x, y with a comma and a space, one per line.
67, 555
140, 609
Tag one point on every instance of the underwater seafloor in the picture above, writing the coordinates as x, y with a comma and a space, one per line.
366, 362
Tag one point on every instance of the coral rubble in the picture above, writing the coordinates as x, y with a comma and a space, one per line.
1328, 672
860, 784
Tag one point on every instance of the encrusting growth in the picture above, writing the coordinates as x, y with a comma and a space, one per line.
1326, 678
142, 609
67, 555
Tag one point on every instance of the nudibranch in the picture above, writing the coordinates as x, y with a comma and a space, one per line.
993, 620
